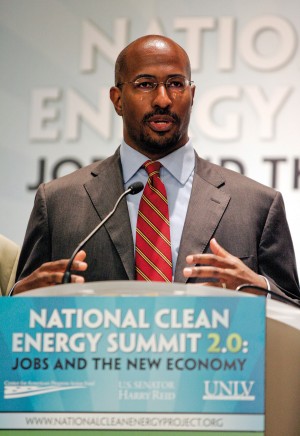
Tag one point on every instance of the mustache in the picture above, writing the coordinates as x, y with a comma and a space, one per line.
161, 111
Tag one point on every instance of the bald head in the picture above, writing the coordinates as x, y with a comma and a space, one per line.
155, 44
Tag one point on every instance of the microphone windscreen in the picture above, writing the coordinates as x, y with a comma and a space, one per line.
136, 188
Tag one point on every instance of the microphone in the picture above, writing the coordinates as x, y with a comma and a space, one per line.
265, 291
133, 189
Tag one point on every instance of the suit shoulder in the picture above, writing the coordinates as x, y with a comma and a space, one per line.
231, 180
78, 177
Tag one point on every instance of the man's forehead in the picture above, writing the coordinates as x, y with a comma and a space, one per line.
154, 58
160, 69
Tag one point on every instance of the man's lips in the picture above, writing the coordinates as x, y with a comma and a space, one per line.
161, 123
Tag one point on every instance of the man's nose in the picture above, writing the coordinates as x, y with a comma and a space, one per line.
161, 96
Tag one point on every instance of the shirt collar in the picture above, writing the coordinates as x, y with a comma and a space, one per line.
179, 164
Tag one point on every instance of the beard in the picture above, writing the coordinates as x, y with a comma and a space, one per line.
163, 143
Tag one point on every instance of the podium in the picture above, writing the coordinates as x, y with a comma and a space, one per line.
282, 369
282, 381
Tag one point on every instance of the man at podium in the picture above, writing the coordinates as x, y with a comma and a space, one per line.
194, 221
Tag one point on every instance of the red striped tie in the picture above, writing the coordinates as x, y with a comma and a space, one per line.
153, 247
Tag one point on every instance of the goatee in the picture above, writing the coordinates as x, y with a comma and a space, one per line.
160, 145
163, 144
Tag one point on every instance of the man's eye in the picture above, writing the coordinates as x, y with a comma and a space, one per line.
145, 85
176, 84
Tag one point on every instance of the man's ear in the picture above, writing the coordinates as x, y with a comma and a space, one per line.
193, 89
115, 96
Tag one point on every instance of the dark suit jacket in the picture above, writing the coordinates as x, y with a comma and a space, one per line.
247, 219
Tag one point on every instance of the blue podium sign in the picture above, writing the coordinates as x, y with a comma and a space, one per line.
179, 363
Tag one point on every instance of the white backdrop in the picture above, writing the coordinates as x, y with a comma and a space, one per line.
57, 62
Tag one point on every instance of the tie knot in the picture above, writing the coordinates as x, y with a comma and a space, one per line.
152, 167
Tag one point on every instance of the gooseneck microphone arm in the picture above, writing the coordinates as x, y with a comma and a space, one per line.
272, 293
133, 189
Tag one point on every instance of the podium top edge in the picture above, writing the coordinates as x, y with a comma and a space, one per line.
129, 288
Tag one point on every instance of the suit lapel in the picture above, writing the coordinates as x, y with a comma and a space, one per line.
104, 190
206, 208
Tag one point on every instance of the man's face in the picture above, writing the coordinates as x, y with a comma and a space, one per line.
156, 122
